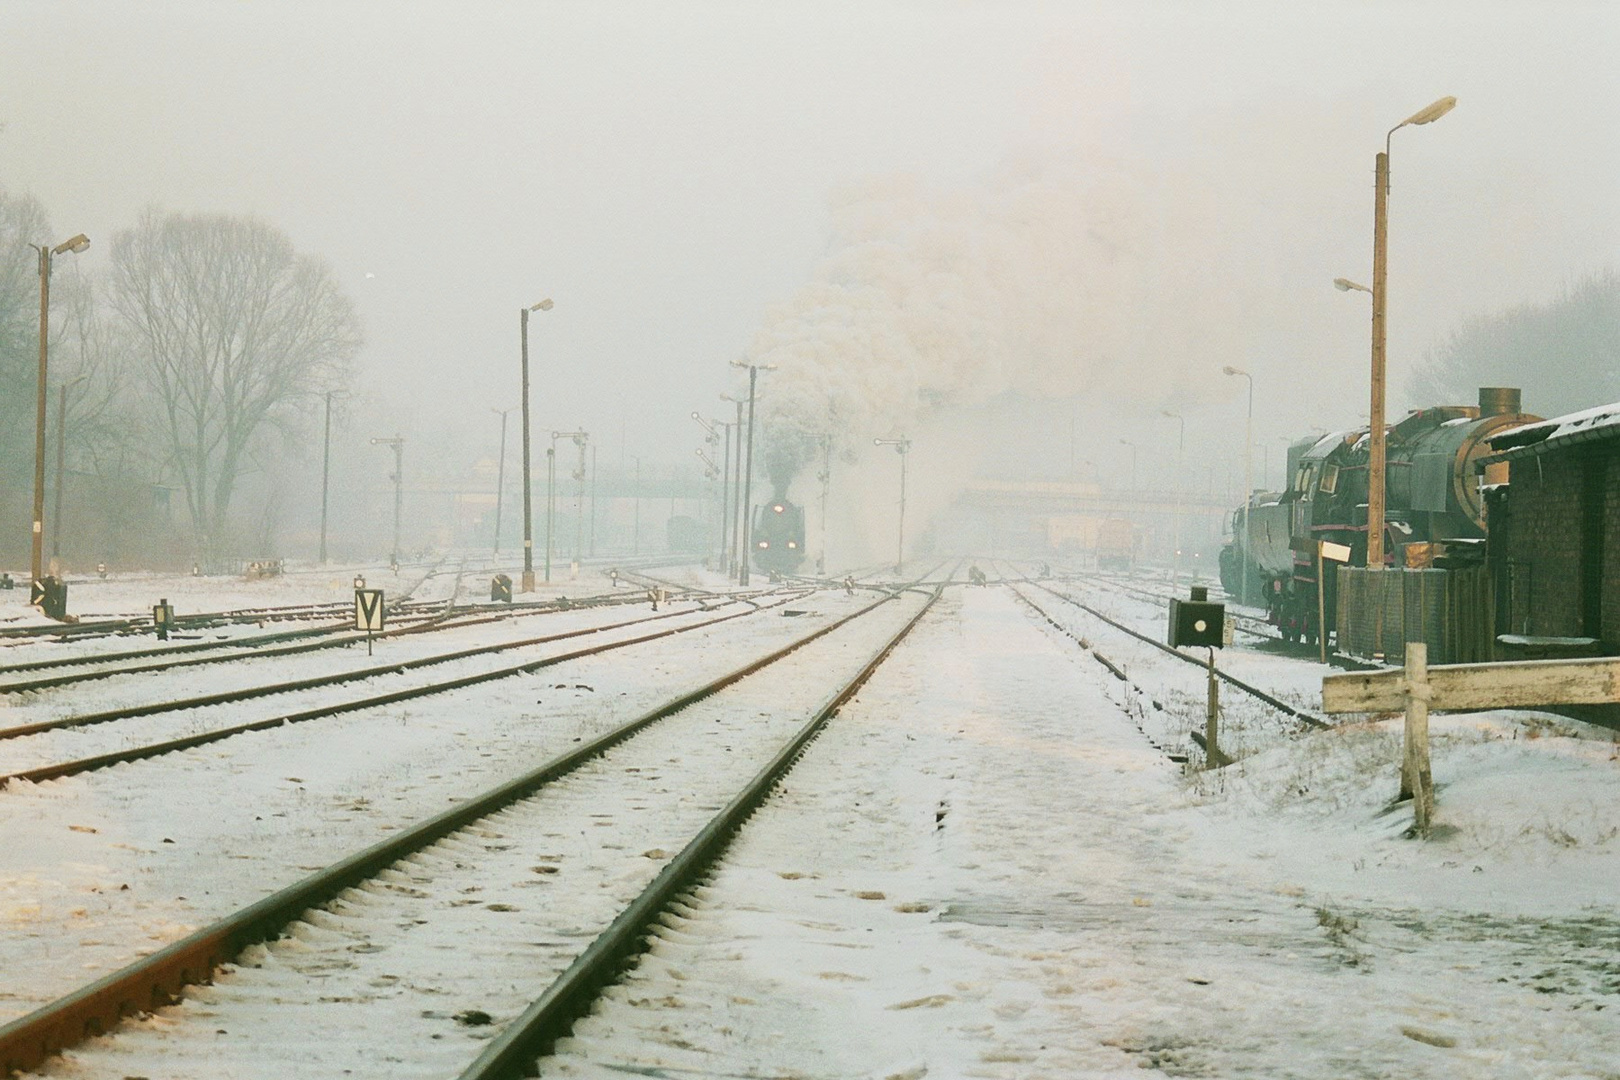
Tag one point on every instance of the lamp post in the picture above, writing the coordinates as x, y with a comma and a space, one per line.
61, 451
748, 469
528, 512
1248, 477
735, 555
1380, 298
712, 470
825, 476
635, 535
399, 486
1127, 442
74, 246
326, 468
500, 478
902, 445
1181, 444
581, 439
724, 494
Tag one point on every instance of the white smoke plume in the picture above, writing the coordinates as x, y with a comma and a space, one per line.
1055, 278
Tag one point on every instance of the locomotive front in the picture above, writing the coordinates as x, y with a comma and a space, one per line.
778, 536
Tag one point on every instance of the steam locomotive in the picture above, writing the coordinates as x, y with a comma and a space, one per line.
1432, 493
778, 536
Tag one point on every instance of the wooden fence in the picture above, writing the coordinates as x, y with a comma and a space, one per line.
1453, 612
1521, 684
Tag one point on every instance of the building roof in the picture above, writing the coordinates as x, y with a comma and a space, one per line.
1561, 432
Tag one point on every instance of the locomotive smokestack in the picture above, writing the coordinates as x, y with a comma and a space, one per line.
1498, 401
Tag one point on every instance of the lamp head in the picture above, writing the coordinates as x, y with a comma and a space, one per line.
1432, 112
544, 305
75, 245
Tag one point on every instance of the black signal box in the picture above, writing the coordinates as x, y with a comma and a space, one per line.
1197, 621
501, 588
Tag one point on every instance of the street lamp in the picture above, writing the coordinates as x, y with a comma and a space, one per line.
61, 438
399, 480
74, 246
1380, 298
528, 511
1248, 478
1181, 443
579, 438
901, 445
500, 479
635, 535
1345, 285
735, 554
326, 467
825, 476
748, 470
717, 430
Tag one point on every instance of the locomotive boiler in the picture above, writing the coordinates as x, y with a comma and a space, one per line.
1432, 493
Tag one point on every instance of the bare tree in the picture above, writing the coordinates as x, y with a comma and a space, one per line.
22, 222
1565, 354
235, 331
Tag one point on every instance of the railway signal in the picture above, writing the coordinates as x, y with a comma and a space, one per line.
368, 613
162, 618
1196, 621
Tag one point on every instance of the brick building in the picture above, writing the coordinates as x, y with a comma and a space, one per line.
1555, 529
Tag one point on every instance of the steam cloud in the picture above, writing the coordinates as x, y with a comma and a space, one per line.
1055, 278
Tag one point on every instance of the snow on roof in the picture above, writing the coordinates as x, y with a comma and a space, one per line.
1598, 422
1559, 426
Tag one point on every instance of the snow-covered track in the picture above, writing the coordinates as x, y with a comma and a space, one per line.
125, 755
549, 1018
105, 665
1225, 676
160, 978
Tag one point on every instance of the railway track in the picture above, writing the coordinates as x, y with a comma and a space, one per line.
594, 846
141, 750
334, 635
1303, 716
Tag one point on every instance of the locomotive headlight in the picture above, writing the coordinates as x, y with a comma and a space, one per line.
777, 508
793, 543
764, 543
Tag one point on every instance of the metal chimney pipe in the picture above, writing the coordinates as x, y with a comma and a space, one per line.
1498, 401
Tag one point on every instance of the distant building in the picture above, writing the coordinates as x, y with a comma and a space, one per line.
1555, 529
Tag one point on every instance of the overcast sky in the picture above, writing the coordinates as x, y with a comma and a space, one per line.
667, 173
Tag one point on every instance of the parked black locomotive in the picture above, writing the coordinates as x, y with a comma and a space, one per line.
778, 536
1432, 493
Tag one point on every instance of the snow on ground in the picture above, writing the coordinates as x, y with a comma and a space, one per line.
112, 864
984, 869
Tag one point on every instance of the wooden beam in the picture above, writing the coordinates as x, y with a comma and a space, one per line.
1518, 684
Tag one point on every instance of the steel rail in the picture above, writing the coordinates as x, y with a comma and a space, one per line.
269, 689
158, 979
61, 769
531, 1035
449, 620
1113, 669
1225, 676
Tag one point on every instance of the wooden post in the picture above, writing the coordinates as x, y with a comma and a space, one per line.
1416, 778
1321, 607
1213, 757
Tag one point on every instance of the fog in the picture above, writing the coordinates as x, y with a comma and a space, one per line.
1016, 233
